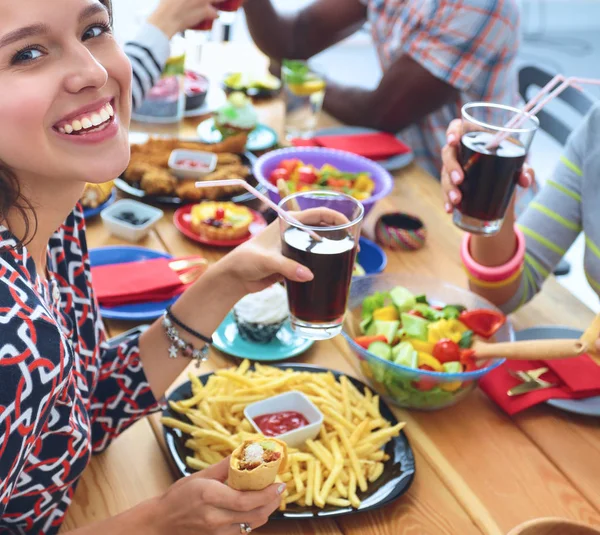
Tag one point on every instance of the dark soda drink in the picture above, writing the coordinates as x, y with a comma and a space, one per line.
324, 299
490, 175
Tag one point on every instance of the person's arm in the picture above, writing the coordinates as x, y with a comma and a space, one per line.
302, 34
406, 93
550, 224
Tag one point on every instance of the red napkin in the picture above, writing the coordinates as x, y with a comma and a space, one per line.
376, 146
578, 378
136, 282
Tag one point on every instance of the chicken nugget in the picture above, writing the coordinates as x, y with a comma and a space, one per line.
158, 182
187, 190
228, 158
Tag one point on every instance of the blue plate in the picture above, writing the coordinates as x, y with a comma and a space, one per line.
121, 254
261, 138
371, 257
285, 346
391, 164
88, 213
588, 406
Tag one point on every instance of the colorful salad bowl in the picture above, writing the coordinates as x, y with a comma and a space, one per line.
411, 335
337, 160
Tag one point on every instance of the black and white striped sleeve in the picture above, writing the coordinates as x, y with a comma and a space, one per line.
148, 52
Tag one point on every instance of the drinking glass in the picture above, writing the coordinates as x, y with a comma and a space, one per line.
304, 94
317, 307
491, 155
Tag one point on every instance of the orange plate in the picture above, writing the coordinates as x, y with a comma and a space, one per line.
182, 221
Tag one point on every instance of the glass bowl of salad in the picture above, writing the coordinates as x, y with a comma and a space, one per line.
412, 336
318, 168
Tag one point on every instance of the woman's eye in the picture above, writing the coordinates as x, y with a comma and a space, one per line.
26, 55
95, 31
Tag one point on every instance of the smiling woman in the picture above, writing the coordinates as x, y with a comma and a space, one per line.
65, 99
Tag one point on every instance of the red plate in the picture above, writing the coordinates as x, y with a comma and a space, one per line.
182, 220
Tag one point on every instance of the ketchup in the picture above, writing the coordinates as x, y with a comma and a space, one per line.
279, 423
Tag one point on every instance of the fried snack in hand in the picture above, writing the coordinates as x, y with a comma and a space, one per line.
158, 182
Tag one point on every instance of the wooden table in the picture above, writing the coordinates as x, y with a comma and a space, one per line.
478, 470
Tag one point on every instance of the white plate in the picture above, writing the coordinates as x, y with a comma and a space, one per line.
588, 406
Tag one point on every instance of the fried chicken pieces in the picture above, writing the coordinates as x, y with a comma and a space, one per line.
149, 169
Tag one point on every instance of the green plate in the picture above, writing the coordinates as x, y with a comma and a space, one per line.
261, 138
286, 345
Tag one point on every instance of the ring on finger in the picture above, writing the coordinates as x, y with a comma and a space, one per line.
245, 528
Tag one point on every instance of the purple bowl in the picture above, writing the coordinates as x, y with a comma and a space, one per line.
345, 161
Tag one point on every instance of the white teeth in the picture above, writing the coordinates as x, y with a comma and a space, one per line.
85, 123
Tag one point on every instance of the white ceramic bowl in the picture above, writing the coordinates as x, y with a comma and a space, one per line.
207, 162
124, 229
289, 401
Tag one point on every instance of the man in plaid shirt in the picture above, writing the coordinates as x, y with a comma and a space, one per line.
436, 55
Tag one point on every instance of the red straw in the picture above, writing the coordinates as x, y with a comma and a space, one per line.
239, 182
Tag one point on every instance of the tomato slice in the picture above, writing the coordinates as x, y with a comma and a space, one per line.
278, 174
426, 384
415, 313
467, 360
289, 165
483, 322
366, 341
446, 351
307, 175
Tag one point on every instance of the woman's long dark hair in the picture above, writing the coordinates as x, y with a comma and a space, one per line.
11, 196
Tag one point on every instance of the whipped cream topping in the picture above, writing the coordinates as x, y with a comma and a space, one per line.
269, 306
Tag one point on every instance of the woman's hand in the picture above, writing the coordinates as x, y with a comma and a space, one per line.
452, 173
203, 504
172, 16
258, 263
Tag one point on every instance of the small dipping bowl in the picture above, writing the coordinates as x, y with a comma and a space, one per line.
197, 163
398, 230
129, 219
288, 401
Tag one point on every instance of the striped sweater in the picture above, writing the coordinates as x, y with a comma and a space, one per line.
567, 205
148, 52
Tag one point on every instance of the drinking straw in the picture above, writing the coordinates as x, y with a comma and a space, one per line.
239, 182
537, 103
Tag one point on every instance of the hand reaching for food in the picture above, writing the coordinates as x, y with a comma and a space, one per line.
203, 503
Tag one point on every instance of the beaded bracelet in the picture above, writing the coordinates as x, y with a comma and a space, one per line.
496, 273
179, 345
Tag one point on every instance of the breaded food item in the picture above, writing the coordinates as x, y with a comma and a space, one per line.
228, 158
136, 170
95, 194
187, 190
158, 182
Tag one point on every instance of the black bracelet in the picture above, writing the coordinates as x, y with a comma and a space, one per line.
187, 329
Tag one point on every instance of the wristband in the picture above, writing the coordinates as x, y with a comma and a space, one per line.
401, 231
497, 284
496, 273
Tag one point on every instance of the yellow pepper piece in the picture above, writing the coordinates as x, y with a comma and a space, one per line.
386, 314
328, 168
361, 195
364, 183
425, 359
451, 329
451, 387
419, 345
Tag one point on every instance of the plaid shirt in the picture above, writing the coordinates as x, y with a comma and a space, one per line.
469, 44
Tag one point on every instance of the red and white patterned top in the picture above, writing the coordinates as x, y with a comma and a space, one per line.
63, 394
469, 44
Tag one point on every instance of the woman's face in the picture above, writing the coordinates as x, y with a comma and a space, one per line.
65, 86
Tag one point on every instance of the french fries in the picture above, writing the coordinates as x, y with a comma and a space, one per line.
345, 458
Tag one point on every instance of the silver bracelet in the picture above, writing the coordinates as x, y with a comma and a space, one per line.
180, 346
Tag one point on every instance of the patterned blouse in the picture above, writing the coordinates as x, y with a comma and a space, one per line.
63, 393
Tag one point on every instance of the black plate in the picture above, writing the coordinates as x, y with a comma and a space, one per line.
398, 473
248, 159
